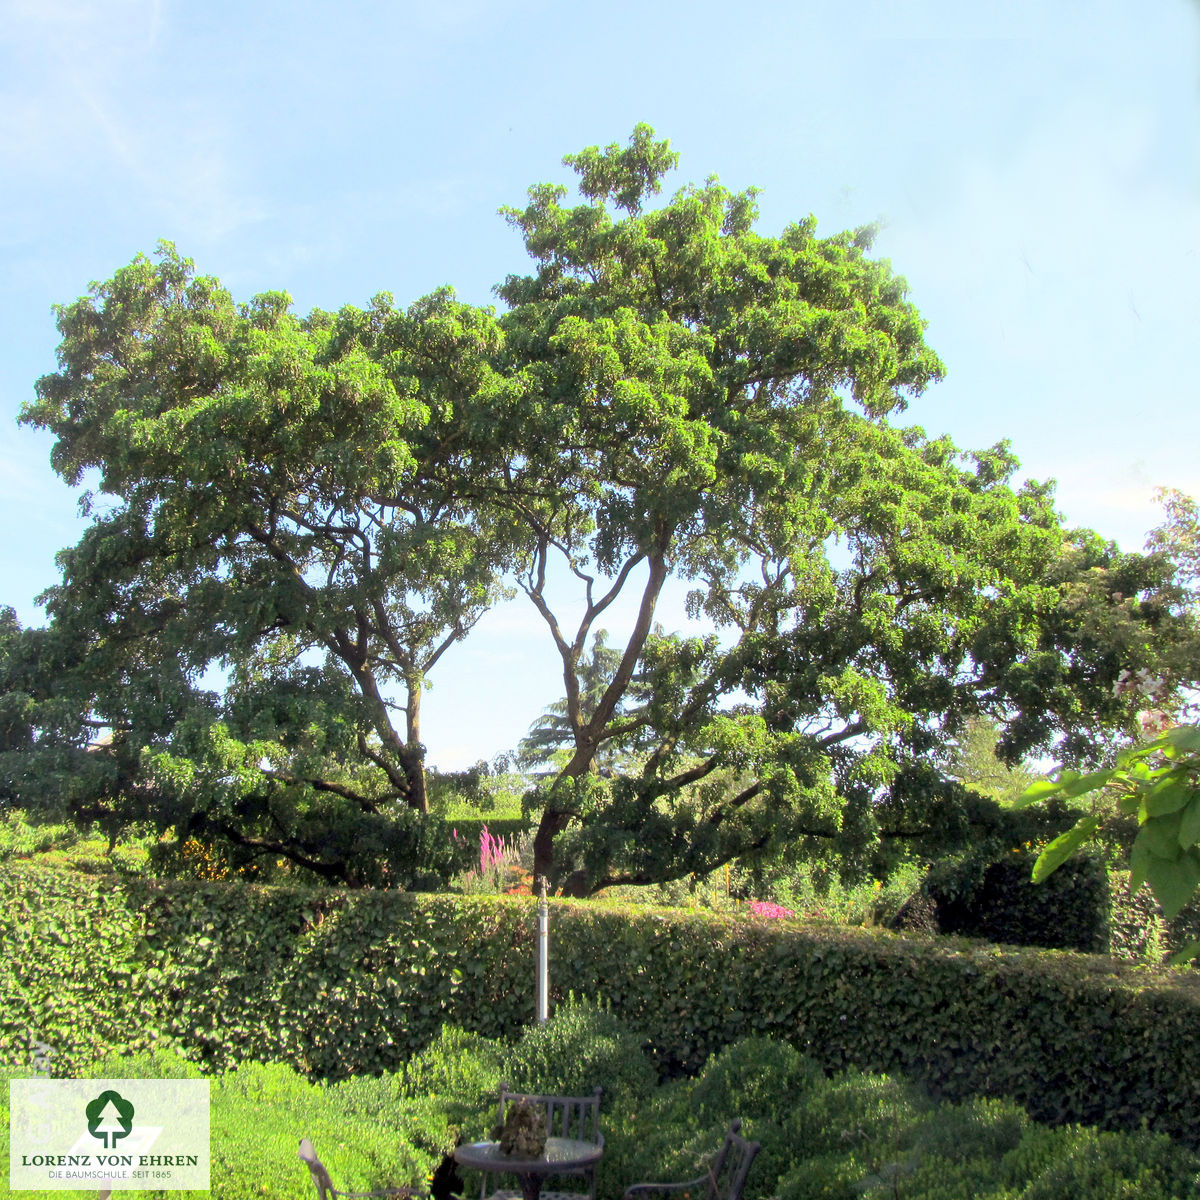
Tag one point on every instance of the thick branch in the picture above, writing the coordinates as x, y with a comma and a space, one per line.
327, 785
594, 610
588, 738
335, 872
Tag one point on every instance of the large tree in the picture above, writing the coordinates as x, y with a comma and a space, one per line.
280, 498
714, 404
324, 505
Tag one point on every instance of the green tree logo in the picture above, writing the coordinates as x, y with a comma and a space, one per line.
109, 1116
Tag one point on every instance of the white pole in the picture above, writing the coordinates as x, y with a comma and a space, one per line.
543, 956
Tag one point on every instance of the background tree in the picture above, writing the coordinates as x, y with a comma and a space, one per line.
972, 761
282, 501
1179, 537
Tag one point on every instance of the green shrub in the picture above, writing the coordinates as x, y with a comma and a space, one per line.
855, 1112
644, 1138
20, 837
755, 1077
1182, 930
463, 1071
1137, 931
581, 1046
817, 893
975, 1129
258, 1115
1088, 1164
159, 1063
998, 900
936, 1178
837, 1139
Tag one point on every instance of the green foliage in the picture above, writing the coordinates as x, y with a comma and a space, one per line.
996, 900
456, 1063
484, 792
1137, 931
156, 1063
582, 1046
1159, 782
1178, 537
463, 1071
975, 763
277, 504
259, 1112
815, 891
749, 1077
325, 504
22, 838
1094, 1164
835, 1138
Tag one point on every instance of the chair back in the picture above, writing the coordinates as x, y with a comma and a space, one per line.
565, 1116
316, 1168
727, 1174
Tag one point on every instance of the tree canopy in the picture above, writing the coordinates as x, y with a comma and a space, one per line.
323, 505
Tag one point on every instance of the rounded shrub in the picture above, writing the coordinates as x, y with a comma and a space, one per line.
160, 1063
755, 1077
1090, 1164
456, 1063
979, 1128
461, 1072
583, 1045
857, 1111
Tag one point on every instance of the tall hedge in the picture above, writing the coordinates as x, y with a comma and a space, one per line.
339, 983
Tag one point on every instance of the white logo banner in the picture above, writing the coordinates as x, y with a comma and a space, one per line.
85, 1134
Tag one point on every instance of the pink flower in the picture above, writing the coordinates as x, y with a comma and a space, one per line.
764, 908
1154, 721
492, 852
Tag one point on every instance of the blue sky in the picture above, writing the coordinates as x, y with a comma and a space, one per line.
1036, 167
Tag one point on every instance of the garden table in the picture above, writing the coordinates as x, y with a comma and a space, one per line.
560, 1154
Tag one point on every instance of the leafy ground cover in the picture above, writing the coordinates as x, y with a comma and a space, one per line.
829, 1138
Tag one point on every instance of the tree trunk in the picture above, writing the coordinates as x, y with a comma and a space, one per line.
587, 736
414, 753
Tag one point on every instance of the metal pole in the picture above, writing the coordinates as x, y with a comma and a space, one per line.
543, 955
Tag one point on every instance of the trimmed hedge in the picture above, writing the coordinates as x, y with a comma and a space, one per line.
341, 983
1137, 931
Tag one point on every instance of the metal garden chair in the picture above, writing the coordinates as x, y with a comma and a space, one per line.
325, 1188
566, 1117
724, 1179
